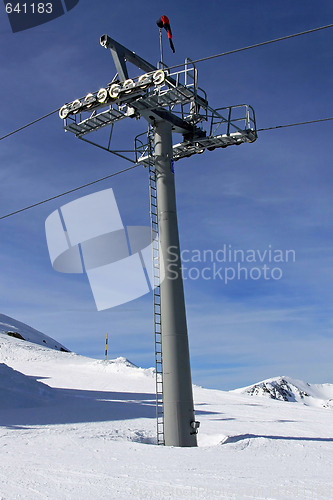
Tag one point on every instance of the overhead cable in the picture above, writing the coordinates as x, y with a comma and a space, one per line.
255, 45
137, 165
69, 191
195, 61
29, 124
294, 124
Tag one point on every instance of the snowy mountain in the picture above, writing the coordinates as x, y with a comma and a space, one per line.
74, 427
292, 390
16, 329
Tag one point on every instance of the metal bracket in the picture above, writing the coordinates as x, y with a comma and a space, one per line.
121, 54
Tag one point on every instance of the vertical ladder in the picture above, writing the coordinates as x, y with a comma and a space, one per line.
157, 304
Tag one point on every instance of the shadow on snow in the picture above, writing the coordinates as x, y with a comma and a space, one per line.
64, 406
241, 437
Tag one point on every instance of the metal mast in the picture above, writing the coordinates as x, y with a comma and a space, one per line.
178, 410
171, 103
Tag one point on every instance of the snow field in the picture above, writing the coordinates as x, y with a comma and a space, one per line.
77, 428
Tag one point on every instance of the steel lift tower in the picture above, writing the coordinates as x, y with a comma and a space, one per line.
170, 103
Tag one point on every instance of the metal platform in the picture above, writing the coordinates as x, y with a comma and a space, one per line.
94, 122
240, 118
136, 99
178, 95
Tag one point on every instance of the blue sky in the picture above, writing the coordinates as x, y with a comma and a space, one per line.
275, 192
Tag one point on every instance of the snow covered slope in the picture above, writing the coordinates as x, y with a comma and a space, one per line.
288, 389
77, 428
19, 391
16, 329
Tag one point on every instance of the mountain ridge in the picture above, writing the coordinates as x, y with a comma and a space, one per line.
284, 388
14, 328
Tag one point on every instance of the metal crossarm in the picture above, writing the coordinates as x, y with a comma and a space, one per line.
239, 127
174, 97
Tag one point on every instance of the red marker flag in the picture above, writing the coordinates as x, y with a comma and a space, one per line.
163, 22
